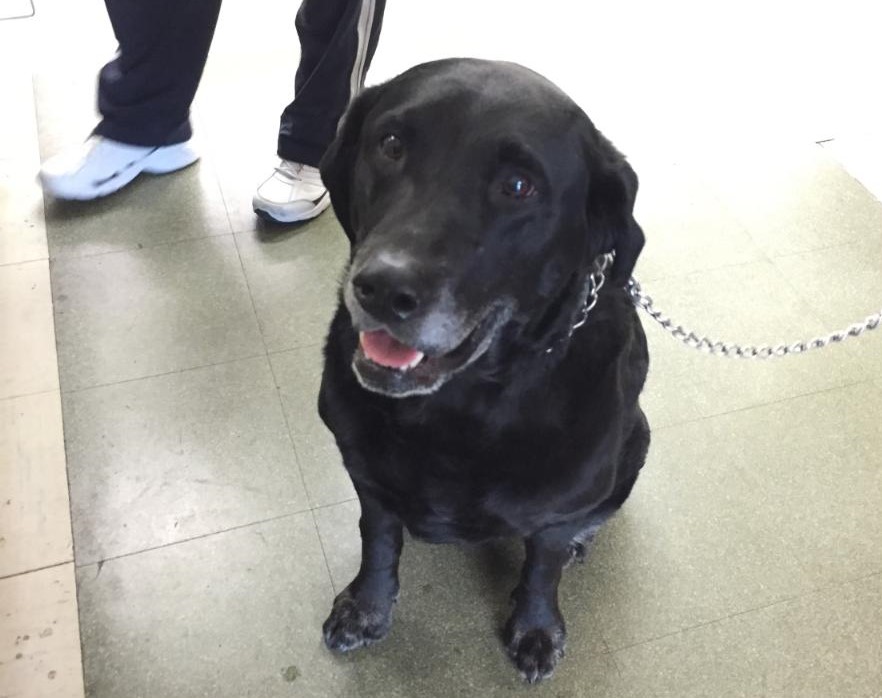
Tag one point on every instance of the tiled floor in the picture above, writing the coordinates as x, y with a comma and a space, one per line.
211, 519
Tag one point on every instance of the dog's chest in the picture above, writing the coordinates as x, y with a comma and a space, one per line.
459, 484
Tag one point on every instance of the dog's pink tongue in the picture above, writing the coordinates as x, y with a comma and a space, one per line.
382, 348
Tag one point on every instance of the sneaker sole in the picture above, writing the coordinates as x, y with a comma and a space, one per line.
159, 162
276, 213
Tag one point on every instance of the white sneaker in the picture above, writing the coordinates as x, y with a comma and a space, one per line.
101, 166
293, 192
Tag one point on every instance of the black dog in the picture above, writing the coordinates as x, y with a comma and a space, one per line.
479, 200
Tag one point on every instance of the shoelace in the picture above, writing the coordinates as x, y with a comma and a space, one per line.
292, 171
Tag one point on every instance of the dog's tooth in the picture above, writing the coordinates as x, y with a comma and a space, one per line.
416, 360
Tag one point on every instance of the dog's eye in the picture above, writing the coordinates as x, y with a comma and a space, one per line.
391, 146
518, 187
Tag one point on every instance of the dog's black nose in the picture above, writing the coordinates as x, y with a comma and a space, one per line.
388, 292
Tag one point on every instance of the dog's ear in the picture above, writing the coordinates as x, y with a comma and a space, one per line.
338, 164
611, 196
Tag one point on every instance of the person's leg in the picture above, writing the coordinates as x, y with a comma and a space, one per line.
338, 39
144, 96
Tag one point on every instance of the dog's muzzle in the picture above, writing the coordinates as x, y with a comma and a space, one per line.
383, 364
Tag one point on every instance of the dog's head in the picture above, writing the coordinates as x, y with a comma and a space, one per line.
476, 196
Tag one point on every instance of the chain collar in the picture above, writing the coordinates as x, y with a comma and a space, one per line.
595, 281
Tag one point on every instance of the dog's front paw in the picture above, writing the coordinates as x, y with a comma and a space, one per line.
535, 651
355, 623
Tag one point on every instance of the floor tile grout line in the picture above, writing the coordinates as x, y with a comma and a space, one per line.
25, 263
70, 500
762, 257
289, 433
706, 623
836, 157
34, 570
238, 527
251, 299
320, 507
223, 195
100, 563
811, 306
138, 248
272, 374
309, 496
771, 254
291, 439
321, 543
70, 391
187, 369
275, 352
56, 340
234, 228
788, 599
18, 262
851, 384
621, 673
815, 250
26, 395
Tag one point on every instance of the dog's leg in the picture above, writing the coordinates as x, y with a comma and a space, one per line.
633, 457
535, 634
362, 612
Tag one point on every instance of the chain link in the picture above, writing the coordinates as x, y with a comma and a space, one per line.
688, 337
644, 301
596, 279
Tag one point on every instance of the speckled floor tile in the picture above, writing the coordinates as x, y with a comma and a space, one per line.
800, 200
56, 49
34, 507
813, 462
861, 154
234, 614
128, 315
747, 304
18, 137
39, 635
842, 285
298, 374
151, 210
821, 645
163, 459
27, 339
22, 225
686, 225
683, 550
293, 277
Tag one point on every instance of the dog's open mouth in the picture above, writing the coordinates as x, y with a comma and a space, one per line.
385, 365
382, 348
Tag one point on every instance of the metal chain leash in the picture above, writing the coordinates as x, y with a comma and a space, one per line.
644, 301
728, 349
